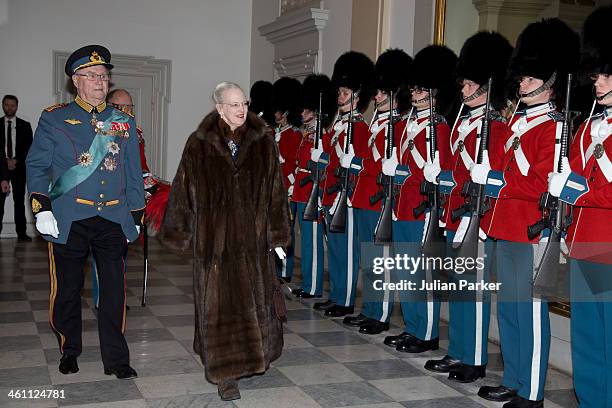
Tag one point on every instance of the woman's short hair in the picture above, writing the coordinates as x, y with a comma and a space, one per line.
221, 88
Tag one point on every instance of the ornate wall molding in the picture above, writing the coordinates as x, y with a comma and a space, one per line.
514, 7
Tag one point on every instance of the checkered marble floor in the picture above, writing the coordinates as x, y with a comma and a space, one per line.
324, 364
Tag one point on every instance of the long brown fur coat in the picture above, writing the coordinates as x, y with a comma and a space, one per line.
231, 214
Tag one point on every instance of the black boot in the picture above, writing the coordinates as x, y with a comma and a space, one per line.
356, 321
373, 327
121, 371
323, 305
520, 402
417, 345
394, 341
68, 364
498, 394
444, 365
297, 292
466, 373
339, 311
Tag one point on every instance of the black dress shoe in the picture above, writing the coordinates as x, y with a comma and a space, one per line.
68, 365
306, 295
466, 373
393, 341
323, 305
417, 345
296, 292
444, 365
356, 321
373, 327
24, 238
122, 371
498, 394
520, 402
339, 311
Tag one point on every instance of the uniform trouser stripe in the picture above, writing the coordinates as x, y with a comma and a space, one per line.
53, 295
479, 311
430, 306
536, 353
387, 295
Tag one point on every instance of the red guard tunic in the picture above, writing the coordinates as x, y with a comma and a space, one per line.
412, 149
333, 144
302, 193
288, 139
593, 210
529, 155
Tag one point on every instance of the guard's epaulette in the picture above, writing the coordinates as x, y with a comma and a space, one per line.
439, 119
55, 107
495, 115
358, 118
557, 116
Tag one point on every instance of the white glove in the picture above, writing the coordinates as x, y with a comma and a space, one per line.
480, 173
46, 224
290, 191
315, 154
138, 229
556, 181
347, 158
280, 252
431, 171
462, 229
389, 165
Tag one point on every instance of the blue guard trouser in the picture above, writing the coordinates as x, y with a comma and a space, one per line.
591, 328
343, 260
311, 247
524, 326
284, 268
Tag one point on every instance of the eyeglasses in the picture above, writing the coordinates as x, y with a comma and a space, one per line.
238, 105
123, 106
92, 77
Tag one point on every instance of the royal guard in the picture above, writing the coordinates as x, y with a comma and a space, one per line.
287, 116
316, 88
546, 52
587, 187
433, 68
391, 70
484, 55
262, 101
352, 76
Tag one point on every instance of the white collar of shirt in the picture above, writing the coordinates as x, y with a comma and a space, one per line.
476, 112
539, 110
422, 114
608, 112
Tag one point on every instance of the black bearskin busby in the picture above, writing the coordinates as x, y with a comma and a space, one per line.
483, 55
287, 98
596, 55
313, 85
261, 96
392, 70
543, 48
434, 67
354, 70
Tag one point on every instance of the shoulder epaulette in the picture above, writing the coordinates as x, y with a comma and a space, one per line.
495, 115
439, 119
557, 116
55, 107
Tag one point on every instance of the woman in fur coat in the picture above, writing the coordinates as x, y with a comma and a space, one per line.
228, 207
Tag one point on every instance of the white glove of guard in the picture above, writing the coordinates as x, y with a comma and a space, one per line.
432, 170
389, 165
290, 191
556, 181
480, 172
280, 252
347, 158
46, 224
315, 154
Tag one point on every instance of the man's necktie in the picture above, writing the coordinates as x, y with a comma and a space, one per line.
9, 140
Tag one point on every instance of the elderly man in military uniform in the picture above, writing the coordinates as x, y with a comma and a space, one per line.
89, 152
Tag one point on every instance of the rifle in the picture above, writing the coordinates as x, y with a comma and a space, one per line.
338, 222
383, 232
433, 234
556, 216
477, 203
311, 212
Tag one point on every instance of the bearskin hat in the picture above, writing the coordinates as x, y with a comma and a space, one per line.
287, 98
313, 85
261, 95
392, 68
543, 48
483, 55
434, 67
596, 55
354, 70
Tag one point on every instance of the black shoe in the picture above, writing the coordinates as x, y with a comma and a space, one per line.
306, 295
297, 292
68, 364
393, 341
498, 394
122, 371
417, 345
466, 373
374, 327
520, 402
24, 238
339, 311
355, 321
444, 365
323, 305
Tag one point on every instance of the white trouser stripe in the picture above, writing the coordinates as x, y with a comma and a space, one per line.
430, 305
315, 253
537, 347
385, 302
349, 260
479, 311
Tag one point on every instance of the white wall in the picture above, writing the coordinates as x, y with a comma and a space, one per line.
262, 51
461, 23
401, 25
207, 40
337, 32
